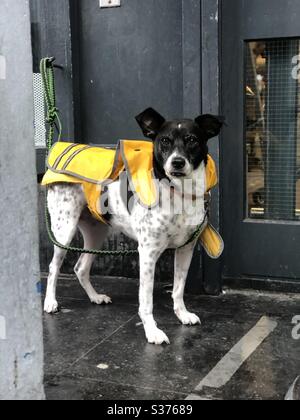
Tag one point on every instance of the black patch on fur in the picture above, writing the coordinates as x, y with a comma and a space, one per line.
179, 139
187, 136
108, 215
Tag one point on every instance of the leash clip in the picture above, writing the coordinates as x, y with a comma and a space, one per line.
50, 63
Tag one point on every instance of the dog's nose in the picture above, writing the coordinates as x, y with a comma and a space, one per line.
178, 163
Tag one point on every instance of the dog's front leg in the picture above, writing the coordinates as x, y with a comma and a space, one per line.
183, 259
148, 260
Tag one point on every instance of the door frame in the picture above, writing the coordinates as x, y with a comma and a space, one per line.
210, 103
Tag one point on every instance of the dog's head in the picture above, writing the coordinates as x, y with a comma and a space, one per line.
180, 146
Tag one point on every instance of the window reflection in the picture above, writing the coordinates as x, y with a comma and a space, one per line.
272, 127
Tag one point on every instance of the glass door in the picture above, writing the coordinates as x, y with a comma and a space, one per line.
260, 176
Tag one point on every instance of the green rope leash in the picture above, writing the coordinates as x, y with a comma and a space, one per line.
53, 121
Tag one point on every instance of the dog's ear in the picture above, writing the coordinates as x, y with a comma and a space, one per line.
150, 122
211, 124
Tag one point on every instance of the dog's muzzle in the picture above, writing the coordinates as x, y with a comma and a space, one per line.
178, 166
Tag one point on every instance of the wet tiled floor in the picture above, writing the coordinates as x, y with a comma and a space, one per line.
95, 353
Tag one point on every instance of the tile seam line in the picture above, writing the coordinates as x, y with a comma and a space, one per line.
96, 345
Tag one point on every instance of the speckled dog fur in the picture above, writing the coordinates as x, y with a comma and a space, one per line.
180, 154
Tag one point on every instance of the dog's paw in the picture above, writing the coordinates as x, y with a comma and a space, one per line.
187, 318
156, 336
101, 299
51, 306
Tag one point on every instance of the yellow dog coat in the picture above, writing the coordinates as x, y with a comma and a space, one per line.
94, 167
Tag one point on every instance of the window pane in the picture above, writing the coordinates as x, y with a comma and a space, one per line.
272, 129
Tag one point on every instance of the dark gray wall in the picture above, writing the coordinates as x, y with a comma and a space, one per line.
210, 70
191, 57
21, 348
146, 53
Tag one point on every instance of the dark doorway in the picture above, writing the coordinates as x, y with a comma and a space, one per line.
261, 145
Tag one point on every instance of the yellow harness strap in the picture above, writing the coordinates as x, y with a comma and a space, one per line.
212, 242
94, 167
210, 239
138, 159
211, 174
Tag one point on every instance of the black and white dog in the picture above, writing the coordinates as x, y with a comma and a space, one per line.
180, 154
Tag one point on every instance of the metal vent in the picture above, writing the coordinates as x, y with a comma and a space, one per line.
39, 111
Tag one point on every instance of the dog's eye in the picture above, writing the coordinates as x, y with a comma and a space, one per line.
192, 140
165, 141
